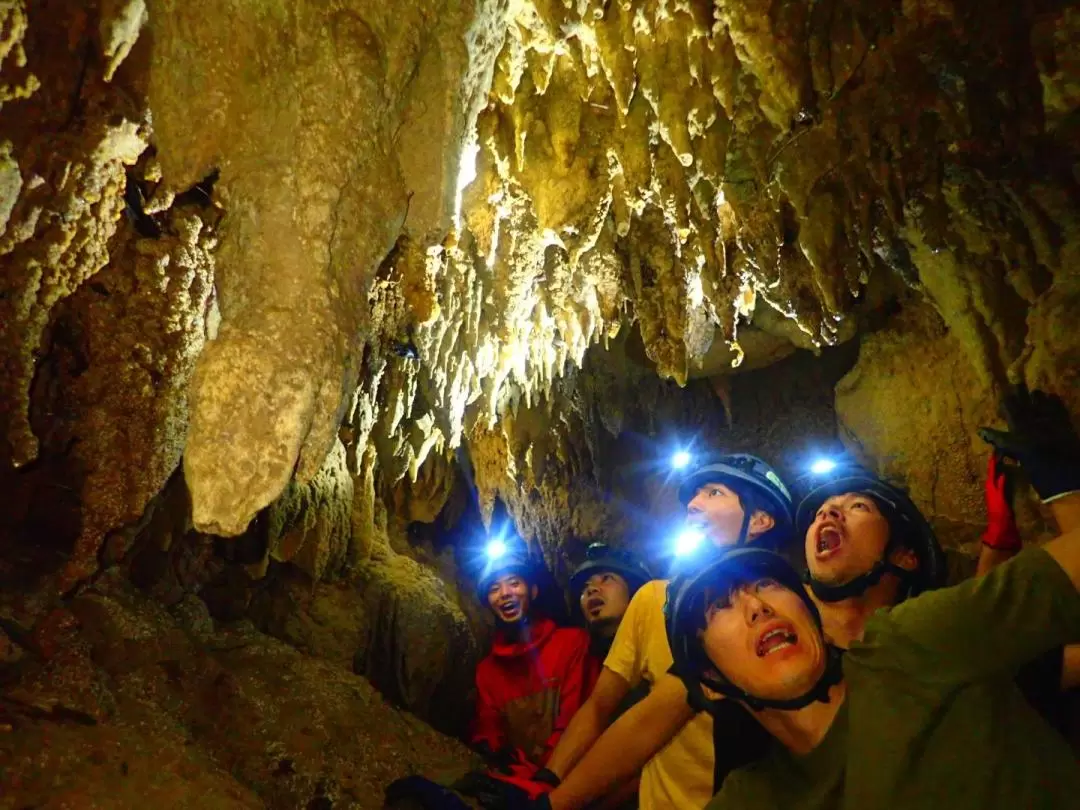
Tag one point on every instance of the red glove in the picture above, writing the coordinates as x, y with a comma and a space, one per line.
1001, 533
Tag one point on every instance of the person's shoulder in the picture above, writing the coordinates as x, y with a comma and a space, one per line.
652, 592
748, 786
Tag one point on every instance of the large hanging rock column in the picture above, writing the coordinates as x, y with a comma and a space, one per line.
303, 109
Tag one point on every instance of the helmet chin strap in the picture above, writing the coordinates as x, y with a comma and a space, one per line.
744, 530
860, 584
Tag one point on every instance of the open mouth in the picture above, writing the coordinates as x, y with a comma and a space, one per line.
775, 640
593, 605
509, 609
829, 539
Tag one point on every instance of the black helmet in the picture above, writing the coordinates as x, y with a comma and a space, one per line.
685, 616
601, 557
512, 556
744, 471
907, 528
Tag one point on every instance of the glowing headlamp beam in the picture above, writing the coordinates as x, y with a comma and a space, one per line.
680, 459
495, 549
688, 541
823, 466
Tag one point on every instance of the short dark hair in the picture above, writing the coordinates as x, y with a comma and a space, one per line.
751, 502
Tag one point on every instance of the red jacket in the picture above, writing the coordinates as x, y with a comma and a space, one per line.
527, 690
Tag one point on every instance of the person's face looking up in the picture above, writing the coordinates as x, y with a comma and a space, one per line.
848, 537
717, 511
605, 596
764, 640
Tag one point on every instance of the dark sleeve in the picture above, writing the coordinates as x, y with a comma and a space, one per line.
1040, 682
982, 628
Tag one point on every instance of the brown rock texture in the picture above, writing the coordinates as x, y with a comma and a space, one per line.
133, 707
432, 213
298, 298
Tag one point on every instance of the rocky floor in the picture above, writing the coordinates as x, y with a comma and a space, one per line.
114, 701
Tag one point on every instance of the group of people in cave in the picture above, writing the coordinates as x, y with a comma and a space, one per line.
868, 675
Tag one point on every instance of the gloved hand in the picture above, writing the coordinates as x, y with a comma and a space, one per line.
1042, 439
1001, 532
502, 760
547, 777
541, 802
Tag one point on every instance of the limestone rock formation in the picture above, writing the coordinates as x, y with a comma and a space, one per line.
311, 173
119, 704
297, 299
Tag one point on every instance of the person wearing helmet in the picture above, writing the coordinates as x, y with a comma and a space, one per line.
915, 715
530, 684
733, 500
604, 584
867, 546
536, 675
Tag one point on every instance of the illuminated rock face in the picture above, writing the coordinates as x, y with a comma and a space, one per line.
363, 267
431, 213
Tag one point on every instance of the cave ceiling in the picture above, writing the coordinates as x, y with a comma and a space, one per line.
291, 241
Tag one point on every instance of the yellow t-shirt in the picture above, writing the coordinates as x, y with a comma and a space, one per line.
681, 774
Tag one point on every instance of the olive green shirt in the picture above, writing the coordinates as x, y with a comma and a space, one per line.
932, 719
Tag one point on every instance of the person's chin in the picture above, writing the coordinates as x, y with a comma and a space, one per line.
831, 574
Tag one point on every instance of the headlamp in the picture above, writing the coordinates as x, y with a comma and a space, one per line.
688, 541
495, 549
823, 466
680, 459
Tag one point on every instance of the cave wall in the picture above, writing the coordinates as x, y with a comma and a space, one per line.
406, 225
297, 299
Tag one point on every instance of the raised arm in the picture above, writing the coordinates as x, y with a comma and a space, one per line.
991, 625
1041, 437
625, 747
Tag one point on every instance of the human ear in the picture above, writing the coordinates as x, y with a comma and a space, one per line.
760, 522
905, 558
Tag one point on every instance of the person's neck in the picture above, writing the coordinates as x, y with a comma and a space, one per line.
844, 621
519, 631
523, 631
802, 730
601, 635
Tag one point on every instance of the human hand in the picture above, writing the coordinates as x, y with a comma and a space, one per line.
1001, 532
1042, 439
